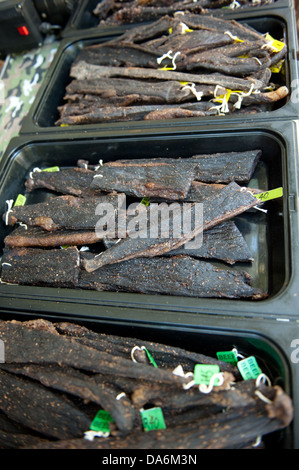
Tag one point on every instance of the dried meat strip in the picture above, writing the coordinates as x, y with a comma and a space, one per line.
61, 212
119, 54
165, 355
223, 167
223, 242
232, 429
39, 238
74, 382
50, 348
34, 266
227, 166
143, 91
84, 71
178, 275
73, 181
228, 203
167, 178
41, 409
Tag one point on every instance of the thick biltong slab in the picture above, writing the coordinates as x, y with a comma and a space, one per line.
167, 178
61, 212
34, 266
125, 92
40, 409
223, 242
73, 181
231, 429
74, 382
227, 166
229, 202
178, 275
221, 167
166, 356
37, 237
50, 348
85, 71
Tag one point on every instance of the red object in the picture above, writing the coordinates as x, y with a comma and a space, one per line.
23, 30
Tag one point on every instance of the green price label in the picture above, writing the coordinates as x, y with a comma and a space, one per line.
152, 419
204, 372
227, 356
145, 201
101, 421
20, 201
249, 368
150, 358
51, 169
268, 195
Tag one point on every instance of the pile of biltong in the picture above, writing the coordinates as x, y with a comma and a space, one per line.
57, 376
57, 243
119, 12
176, 67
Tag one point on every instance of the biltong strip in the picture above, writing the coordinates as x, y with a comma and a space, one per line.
228, 203
61, 212
55, 349
85, 71
227, 166
223, 242
41, 409
73, 181
178, 275
37, 237
166, 356
74, 382
231, 429
167, 178
34, 266
222, 167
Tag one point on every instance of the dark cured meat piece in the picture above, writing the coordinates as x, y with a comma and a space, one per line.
73, 181
69, 380
223, 242
220, 431
162, 91
230, 395
129, 113
85, 71
61, 212
40, 409
34, 266
229, 202
190, 43
170, 179
37, 237
119, 55
178, 275
16, 441
220, 61
222, 167
226, 167
26, 345
236, 28
200, 191
165, 355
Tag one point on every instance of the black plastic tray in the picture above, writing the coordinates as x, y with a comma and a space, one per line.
275, 346
43, 112
83, 21
272, 237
